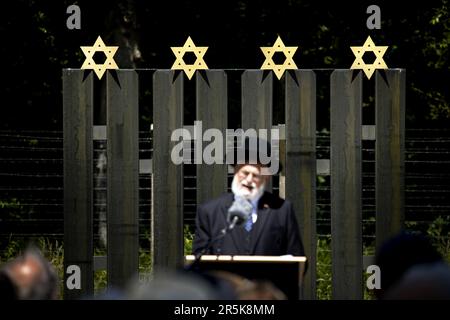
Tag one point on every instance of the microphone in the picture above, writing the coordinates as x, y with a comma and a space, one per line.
239, 212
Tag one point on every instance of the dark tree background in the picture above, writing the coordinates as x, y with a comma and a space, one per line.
36, 44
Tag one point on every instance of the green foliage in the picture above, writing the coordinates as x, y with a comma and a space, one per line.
428, 82
100, 281
323, 281
13, 249
368, 250
438, 38
12, 208
438, 231
145, 264
188, 239
100, 276
53, 250
439, 107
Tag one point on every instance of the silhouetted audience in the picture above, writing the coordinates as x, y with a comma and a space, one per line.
7, 289
213, 285
411, 268
245, 289
429, 281
29, 277
261, 290
178, 286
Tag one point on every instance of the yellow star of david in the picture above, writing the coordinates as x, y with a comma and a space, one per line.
99, 46
179, 63
279, 69
368, 46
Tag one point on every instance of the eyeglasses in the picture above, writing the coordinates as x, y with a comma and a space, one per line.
243, 174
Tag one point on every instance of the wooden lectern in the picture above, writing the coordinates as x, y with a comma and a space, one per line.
285, 272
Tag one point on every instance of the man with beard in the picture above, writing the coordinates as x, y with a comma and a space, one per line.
271, 228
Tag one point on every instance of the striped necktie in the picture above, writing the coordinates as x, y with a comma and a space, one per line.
249, 223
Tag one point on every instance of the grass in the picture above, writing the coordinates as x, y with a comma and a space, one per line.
188, 239
439, 235
323, 280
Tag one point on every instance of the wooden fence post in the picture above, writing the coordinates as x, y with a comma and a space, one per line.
78, 108
257, 103
390, 149
301, 164
346, 183
167, 178
122, 177
212, 111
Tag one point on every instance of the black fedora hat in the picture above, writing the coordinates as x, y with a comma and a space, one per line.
254, 150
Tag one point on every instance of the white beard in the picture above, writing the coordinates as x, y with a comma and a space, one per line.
242, 191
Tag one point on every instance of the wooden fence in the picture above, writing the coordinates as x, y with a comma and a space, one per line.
297, 181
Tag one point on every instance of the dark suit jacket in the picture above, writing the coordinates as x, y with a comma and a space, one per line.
275, 232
